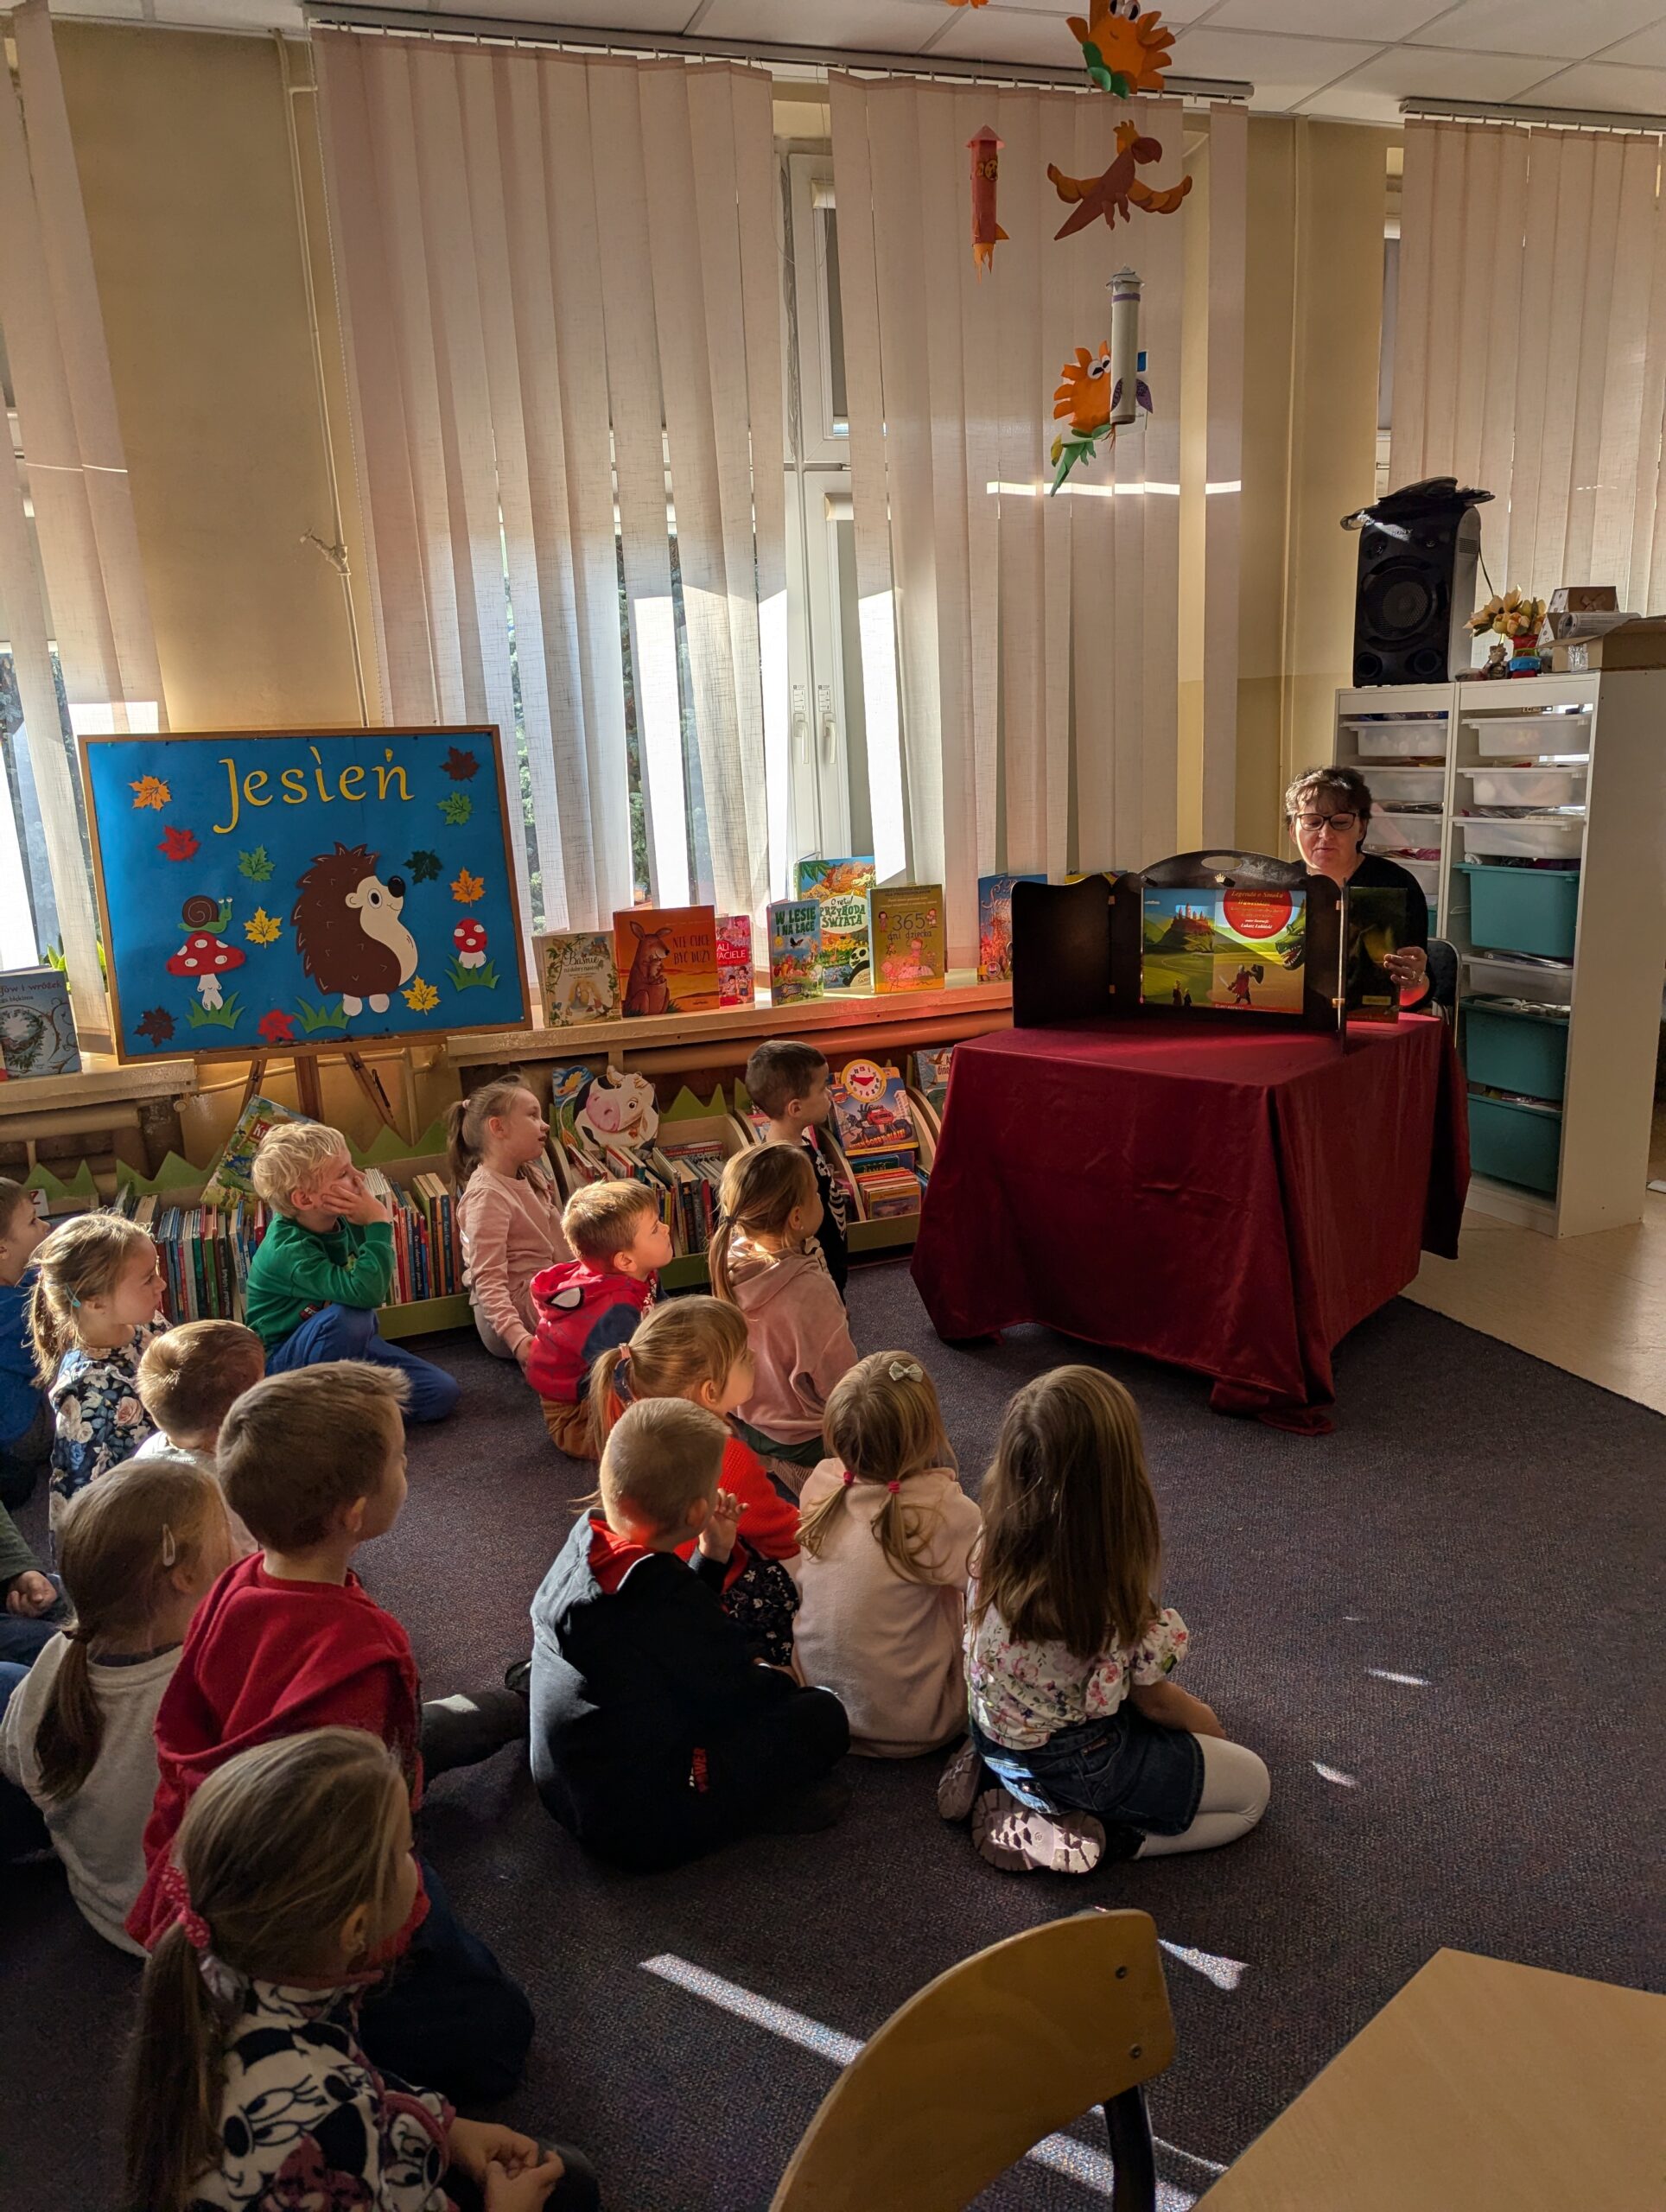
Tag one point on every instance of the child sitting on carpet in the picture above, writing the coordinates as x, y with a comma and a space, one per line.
1069, 1655
586, 1306
189, 1379
26, 1422
888, 1532
287, 1641
139, 1552
93, 1309
656, 1736
508, 1212
696, 1348
764, 1259
326, 1263
252, 2090
789, 1082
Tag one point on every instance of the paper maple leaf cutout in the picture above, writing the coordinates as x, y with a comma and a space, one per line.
423, 866
178, 844
456, 806
460, 766
255, 865
467, 888
277, 1027
157, 1025
260, 928
150, 791
422, 998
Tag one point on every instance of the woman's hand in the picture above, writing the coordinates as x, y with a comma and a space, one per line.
31, 1595
1409, 968
523, 2190
478, 2145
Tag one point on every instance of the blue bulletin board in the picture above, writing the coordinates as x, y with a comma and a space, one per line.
267, 893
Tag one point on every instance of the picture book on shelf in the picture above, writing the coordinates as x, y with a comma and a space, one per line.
578, 979
994, 926
667, 960
734, 959
795, 950
871, 1113
932, 1065
906, 941
839, 887
1240, 950
37, 1030
232, 1173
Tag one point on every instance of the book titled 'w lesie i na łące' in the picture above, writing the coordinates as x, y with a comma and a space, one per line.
795, 950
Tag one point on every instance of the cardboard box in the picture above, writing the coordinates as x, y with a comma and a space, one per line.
1638, 644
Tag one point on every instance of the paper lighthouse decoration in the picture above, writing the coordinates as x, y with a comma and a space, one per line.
985, 150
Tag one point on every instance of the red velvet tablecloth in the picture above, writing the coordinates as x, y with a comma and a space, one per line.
1232, 1202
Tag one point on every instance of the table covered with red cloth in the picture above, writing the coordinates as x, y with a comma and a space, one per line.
1230, 1201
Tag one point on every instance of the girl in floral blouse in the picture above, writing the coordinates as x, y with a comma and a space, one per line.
93, 1310
1068, 1656
251, 2092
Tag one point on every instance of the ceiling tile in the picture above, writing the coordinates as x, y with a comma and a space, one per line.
886, 26
1569, 30
1374, 21
644, 16
1174, 12
1596, 84
1350, 103
1402, 70
1648, 48
1282, 70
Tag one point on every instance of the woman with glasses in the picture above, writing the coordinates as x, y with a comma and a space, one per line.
1328, 811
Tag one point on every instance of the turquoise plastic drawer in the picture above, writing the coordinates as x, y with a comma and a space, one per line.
1515, 1051
1522, 909
1515, 1144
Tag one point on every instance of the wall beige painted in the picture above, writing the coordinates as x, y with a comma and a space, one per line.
1312, 325
183, 147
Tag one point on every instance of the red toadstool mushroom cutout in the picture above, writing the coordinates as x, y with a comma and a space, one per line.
206, 958
469, 938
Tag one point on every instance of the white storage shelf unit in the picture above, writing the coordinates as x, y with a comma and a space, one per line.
1579, 764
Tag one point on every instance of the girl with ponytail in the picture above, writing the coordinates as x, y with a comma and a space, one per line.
95, 1306
508, 1211
138, 1552
250, 2090
764, 1259
697, 1348
888, 1535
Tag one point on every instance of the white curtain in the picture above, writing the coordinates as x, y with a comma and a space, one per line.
1020, 653
1531, 347
552, 270
83, 589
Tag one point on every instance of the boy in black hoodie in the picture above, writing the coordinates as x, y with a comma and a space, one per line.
655, 1737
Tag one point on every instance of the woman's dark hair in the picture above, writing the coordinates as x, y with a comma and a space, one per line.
1346, 784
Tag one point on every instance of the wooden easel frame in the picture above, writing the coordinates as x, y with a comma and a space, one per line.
309, 1092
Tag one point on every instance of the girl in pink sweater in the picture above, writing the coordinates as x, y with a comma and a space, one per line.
508, 1213
764, 1259
887, 1536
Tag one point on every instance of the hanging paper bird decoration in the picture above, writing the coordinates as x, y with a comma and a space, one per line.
1126, 51
1083, 397
987, 233
968, 4
1110, 195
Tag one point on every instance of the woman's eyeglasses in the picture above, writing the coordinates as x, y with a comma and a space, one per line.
1340, 822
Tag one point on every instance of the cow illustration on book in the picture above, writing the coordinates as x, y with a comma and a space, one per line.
348, 930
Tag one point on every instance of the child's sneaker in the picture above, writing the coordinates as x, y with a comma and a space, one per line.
1020, 1841
959, 1783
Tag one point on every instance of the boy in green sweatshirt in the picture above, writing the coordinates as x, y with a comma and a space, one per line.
325, 1265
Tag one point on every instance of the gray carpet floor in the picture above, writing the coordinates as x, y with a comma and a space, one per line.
1437, 1626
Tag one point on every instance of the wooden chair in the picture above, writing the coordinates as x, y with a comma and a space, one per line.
987, 2059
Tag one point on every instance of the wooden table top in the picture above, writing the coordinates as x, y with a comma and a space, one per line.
1483, 2087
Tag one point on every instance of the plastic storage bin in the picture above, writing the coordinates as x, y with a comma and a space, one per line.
1522, 909
1391, 832
1512, 737
1538, 786
1399, 740
1515, 1051
1519, 979
1515, 1144
1393, 785
1537, 837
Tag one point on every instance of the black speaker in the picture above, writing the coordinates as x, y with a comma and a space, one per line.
1418, 551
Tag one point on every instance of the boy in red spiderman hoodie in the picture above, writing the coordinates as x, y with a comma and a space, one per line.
287, 1641
586, 1306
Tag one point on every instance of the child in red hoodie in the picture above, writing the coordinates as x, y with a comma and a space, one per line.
287, 1641
697, 1348
586, 1306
